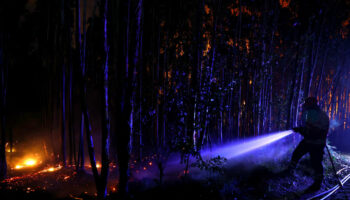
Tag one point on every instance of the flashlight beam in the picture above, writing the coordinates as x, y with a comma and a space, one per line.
236, 149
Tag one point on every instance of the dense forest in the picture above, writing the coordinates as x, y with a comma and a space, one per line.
120, 82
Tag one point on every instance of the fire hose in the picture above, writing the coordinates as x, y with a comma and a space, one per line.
340, 184
331, 191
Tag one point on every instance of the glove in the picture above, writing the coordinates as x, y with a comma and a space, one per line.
300, 130
297, 129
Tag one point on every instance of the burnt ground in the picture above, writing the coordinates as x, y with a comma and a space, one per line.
244, 178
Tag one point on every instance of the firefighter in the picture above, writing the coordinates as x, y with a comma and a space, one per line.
314, 129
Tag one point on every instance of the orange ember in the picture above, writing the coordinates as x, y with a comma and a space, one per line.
284, 3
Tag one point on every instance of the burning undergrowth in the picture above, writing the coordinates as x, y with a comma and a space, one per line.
52, 183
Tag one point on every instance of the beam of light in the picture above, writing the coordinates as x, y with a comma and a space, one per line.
238, 148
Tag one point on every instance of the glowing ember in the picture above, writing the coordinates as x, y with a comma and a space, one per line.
98, 165
51, 169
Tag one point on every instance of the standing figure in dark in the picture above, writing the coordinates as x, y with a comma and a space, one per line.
314, 129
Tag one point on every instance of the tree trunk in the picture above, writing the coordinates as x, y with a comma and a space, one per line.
291, 94
63, 128
63, 133
3, 164
102, 191
82, 60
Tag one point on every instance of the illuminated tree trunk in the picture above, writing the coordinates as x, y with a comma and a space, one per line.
239, 110
72, 153
333, 89
299, 93
194, 86
289, 123
164, 109
139, 66
63, 128
80, 162
128, 76
63, 133
105, 110
86, 117
321, 75
82, 61
158, 88
270, 99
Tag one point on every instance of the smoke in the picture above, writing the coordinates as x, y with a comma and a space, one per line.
334, 124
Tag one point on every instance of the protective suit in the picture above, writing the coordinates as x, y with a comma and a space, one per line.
314, 129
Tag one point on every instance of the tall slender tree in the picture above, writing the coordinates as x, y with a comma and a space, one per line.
3, 88
63, 99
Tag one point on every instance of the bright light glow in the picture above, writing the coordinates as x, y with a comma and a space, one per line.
98, 165
30, 162
51, 169
9, 150
18, 167
238, 148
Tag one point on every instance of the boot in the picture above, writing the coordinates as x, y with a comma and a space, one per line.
287, 172
290, 168
314, 187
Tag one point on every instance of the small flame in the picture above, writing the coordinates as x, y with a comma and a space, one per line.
9, 150
30, 162
18, 167
98, 165
51, 169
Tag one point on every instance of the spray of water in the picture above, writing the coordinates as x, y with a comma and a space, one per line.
236, 149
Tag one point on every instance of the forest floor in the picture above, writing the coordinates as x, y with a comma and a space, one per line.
256, 175
251, 176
